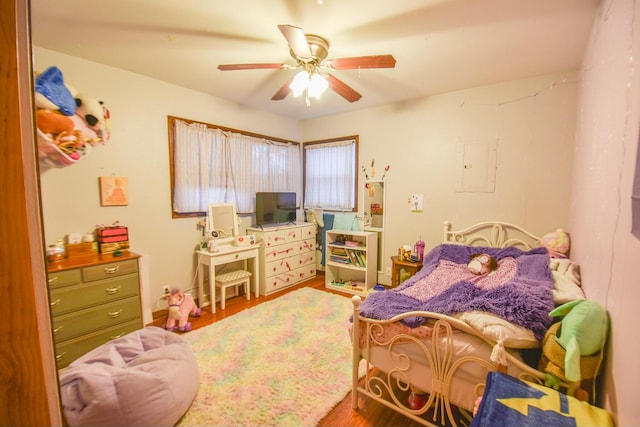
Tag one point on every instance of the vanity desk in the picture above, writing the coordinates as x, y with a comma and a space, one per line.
226, 254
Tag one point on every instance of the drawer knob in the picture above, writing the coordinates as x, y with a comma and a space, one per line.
113, 337
58, 329
111, 270
237, 256
114, 314
112, 290
60, 356
53, 280
54, 303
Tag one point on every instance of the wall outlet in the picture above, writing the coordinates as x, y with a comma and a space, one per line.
166, 290
387, 271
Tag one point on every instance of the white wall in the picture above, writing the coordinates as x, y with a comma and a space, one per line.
607, 138
419, 139
138, 149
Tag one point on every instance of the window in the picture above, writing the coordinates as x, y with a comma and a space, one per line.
330, 174
212, 164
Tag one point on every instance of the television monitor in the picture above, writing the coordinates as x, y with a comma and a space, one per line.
275, 208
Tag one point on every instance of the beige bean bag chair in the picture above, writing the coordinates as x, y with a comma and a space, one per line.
146, 378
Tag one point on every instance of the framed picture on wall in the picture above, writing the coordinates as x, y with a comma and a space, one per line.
114, 190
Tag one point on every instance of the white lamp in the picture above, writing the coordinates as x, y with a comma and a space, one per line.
299, 83
317, 85
314, 85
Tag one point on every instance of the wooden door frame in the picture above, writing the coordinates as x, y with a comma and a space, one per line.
28, 378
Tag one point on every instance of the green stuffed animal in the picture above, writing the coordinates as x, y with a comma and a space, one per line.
583, 332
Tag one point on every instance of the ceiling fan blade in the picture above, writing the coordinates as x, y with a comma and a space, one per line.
374, 61
297, 40
231, 67
342, 89
283, 91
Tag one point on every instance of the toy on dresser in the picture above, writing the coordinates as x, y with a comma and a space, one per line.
181, 305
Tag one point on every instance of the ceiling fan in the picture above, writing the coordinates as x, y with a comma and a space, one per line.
310, 52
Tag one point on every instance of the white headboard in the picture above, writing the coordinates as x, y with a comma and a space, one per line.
493, 234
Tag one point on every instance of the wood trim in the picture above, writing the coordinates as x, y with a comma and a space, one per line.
170, 125
28, 378
356, 138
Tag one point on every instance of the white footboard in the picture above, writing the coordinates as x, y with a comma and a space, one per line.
450, 376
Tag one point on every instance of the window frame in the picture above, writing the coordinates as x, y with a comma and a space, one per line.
356, 139
171, 143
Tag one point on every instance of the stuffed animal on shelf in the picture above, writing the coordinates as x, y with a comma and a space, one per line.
181, 305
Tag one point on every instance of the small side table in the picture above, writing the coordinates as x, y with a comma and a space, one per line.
398, 266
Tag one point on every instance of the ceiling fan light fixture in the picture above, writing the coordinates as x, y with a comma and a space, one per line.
317, 85
299, 83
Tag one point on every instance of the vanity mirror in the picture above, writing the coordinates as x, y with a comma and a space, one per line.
222, 222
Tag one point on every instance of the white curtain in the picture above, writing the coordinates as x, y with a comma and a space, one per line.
212, 166
330, 175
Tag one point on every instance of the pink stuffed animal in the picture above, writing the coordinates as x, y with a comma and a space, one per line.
180, 307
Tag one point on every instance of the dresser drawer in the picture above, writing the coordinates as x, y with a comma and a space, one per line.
279, 281
75, 297
273, 238
308, 232
63, 278
281, 251
79, 322
112, 269
278, 266
70, 350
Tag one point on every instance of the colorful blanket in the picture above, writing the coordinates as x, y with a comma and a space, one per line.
520, 290
508, 401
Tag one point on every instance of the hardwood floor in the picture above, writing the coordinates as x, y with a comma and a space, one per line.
370, 414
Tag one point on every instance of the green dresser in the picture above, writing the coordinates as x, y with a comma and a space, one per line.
93, 300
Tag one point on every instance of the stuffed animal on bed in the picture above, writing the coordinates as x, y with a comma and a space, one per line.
181, 305
582, 332
557, 243
482, 264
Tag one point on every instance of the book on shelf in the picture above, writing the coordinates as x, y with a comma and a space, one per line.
362, 258
354, 258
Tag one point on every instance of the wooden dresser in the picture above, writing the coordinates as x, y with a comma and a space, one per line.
93, 299
287, 255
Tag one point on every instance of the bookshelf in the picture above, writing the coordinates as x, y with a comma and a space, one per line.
351, 261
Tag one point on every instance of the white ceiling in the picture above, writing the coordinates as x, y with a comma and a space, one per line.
439, 45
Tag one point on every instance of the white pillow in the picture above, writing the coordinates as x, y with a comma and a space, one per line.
498, 329
564, 289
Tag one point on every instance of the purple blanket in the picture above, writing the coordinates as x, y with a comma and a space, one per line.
525, 298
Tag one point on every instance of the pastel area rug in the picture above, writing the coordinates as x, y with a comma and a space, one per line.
285, 362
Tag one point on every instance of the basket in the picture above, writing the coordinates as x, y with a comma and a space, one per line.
53, 157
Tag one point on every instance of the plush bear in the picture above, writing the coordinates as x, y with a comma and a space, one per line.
51, 93
557, 243
95, 114
482, 264
181, 305
54, 123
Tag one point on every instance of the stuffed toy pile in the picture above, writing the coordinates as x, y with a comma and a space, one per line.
571, 349
68, 122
